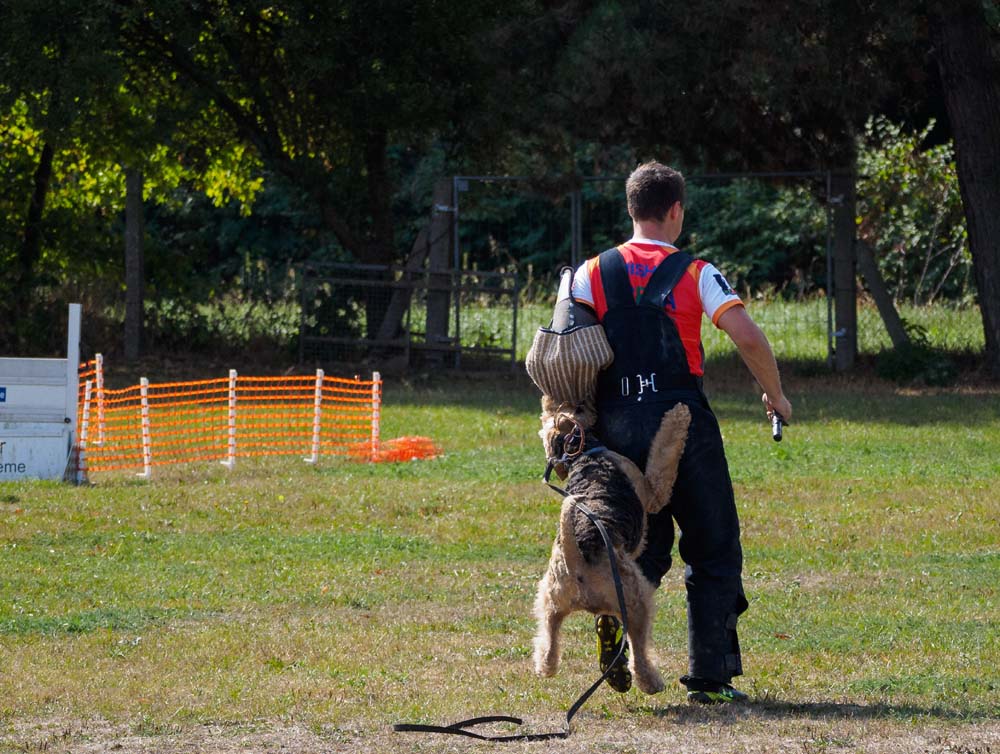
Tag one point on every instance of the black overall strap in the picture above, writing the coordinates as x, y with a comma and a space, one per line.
614, 278
618, 288
667, 274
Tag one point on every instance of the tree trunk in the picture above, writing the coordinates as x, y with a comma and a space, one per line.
134, 278
381, 249
970, 76
31, 245
868, 268
392, 322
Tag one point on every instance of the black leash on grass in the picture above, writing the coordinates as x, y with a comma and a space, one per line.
461, 728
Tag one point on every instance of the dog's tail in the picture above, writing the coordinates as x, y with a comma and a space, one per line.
665, 454
567, 536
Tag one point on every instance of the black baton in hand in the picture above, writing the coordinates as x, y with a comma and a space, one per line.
776, 423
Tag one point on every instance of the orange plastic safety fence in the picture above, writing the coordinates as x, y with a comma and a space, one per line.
227, 418
411, 448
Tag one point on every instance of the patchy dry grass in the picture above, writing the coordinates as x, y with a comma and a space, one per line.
296, 608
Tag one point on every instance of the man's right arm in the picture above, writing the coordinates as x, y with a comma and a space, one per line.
756, 353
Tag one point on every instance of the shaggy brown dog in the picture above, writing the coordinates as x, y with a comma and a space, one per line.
621, 496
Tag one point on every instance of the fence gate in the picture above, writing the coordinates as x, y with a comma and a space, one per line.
449, 317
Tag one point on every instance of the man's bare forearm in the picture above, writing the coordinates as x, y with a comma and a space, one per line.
759, 358
755, 350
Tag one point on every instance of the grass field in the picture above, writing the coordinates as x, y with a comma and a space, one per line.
284, 607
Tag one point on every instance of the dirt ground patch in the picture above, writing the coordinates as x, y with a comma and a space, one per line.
762, 729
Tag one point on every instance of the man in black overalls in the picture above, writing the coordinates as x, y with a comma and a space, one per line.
650, 298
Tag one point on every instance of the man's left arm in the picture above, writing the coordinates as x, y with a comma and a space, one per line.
755, 350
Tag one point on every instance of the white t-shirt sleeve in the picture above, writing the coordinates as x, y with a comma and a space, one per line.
581, 286
716, 293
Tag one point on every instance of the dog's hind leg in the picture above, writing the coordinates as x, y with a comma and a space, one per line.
640, 626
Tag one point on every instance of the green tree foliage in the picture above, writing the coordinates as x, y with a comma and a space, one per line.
269, 133
80, 255
911, 213
72, 115
54, 70
765, 236
726, 84
321, 91
325, 92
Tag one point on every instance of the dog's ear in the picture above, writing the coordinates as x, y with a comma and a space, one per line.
548, 434
565, 422
549, 406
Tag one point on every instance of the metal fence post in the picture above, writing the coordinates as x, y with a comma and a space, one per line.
844, 273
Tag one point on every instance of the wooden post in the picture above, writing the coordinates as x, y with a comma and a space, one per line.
134, 274
844, 201
438, 262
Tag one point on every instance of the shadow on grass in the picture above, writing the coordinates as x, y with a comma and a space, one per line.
773, 710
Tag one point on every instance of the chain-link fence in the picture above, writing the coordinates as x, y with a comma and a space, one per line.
948, 327
770, 234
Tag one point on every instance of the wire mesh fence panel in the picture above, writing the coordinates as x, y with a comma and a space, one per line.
343, 312
509, 224
485, 322
769, 234
465, 318
797, 330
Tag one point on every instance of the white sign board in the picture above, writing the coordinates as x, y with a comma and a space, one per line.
38, 411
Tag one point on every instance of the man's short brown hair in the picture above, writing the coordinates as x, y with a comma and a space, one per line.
652, 189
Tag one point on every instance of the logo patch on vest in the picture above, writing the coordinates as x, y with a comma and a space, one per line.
723, 285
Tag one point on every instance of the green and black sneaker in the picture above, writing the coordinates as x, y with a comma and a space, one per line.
702, 691
609, 640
